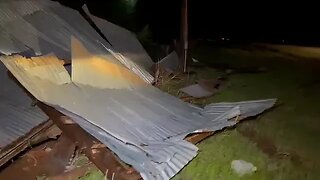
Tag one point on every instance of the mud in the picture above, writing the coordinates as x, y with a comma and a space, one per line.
48, 159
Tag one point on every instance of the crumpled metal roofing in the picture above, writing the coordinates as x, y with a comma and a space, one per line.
144, 126
15, 9
125, 47
17, 116
105, 95
42, 27
124, 42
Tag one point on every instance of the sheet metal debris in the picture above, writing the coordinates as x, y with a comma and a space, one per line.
35, 136
203, 87
17, 115
104, 158
108, 93
123, 42
142, 125
24, 29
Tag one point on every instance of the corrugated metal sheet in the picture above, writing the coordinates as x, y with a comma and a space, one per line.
125, 46
11, 10
25, 24
17, 116
247, 108
117, 76
142, 125
8, 44
17, 120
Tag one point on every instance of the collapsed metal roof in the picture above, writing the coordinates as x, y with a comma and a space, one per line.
122, 40
142, 125
33, 28
108, 92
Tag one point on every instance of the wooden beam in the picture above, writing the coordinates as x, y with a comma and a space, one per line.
10, 151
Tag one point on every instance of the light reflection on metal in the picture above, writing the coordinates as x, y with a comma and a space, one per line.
24, 27
125, 47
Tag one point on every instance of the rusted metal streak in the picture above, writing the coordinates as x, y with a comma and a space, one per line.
103, 158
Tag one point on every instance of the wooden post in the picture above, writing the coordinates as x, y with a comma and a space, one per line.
184, 33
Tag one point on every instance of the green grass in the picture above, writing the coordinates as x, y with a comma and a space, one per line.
93, 175
293, 126
81, 160
216, 154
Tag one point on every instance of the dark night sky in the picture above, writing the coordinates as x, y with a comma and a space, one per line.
244, 21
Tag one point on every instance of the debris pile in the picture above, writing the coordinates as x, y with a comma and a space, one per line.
108, 92
142, 125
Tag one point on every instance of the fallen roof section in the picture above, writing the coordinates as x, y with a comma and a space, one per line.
86, 67
19, 119
17, 115
144, 126
101, 156
24, 30
36, 135
123, 41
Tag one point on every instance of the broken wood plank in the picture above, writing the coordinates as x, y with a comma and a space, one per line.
23, 142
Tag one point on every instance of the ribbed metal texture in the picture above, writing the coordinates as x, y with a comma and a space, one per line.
11, 10
17, 116
47, 27
17, 120
125, 46
144, 126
